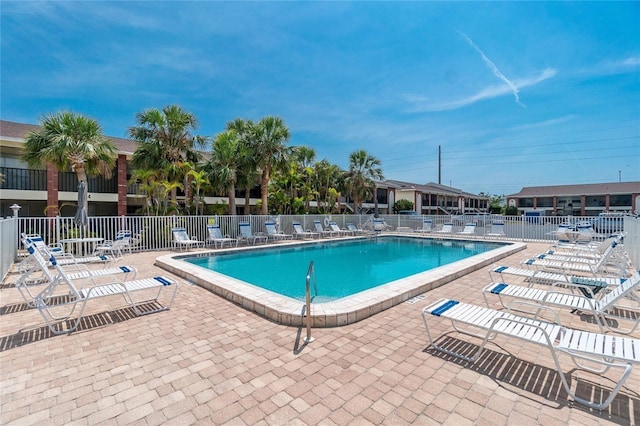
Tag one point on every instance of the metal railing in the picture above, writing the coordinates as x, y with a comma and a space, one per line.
311, 274
24, 179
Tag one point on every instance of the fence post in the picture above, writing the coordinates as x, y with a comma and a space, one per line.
16, 208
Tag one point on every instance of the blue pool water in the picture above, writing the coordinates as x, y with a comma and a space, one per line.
342, 268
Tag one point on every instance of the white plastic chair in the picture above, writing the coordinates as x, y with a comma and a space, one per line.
115, 247
248, 235
182, 239
273, 233
298, 231
215, 236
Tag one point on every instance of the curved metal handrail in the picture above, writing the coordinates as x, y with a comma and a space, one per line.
311, 273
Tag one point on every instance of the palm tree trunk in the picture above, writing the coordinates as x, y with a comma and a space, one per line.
232, 198
264, 190
247, 200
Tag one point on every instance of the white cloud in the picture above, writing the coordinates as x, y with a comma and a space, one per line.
420, 103
546, 123
494, 69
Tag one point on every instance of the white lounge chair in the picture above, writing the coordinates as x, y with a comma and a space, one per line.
299, 231
469, 229
546, 277
427, 226
602, 308
586, 349
324, 232
334, 227
41, 273
572, 265
593, 246
215, 236
447, 228
60, 299
353, 228
38, 242
182, 240
63, 258
497, 230
590, 252
247, 235
273, 233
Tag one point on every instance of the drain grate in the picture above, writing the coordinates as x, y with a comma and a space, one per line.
415, 299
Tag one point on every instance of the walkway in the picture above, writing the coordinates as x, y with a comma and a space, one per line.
208, 361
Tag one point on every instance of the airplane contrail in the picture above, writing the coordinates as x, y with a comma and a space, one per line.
494, 69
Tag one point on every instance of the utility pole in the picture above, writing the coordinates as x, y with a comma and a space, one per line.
439, 165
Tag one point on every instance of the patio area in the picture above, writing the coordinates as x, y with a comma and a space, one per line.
209, 361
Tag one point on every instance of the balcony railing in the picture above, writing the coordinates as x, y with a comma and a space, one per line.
24, 179
68, 181
36, 180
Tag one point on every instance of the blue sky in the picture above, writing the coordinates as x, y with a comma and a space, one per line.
515, 93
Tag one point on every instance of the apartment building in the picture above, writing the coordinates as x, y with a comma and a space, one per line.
577, 200
432, 198
50, 192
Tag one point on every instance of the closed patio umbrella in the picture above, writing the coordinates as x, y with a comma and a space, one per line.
81, 218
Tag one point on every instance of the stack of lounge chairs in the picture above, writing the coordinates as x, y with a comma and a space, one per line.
59, 286
532, 302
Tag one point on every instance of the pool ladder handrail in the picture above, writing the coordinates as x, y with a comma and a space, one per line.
311, 273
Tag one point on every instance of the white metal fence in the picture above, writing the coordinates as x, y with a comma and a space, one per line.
632, 239
8, 245
154, 232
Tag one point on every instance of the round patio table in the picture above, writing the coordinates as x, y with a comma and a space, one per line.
82, 244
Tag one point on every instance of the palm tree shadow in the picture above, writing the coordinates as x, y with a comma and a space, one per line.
504, 368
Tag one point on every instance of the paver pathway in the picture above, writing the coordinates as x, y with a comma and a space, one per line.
208, 361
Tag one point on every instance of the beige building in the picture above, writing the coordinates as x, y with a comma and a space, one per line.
432, 198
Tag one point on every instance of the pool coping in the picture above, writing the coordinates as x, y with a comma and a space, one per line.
347, 310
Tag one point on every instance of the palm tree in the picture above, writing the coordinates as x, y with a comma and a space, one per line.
166, 142
226, 157
364, 171
269, 138
247, 174
72, 141
327, 179
198, 181
304, 156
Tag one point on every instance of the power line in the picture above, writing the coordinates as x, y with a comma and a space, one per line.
415, 158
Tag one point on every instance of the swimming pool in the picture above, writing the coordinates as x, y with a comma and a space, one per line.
342, 268
345, 310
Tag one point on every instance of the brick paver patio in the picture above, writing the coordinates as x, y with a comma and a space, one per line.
208, 361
